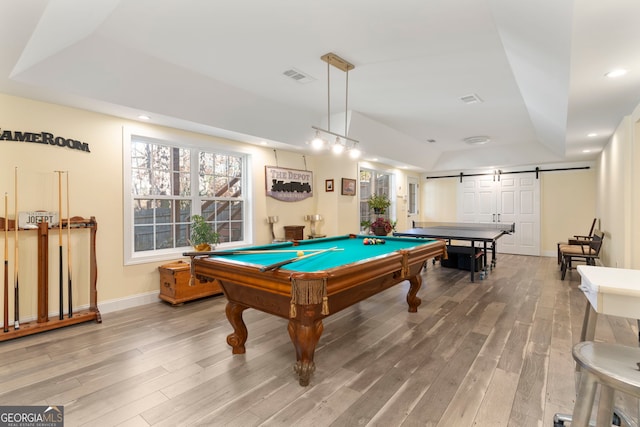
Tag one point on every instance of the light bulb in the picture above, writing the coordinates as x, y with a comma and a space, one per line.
337, 148
354, 153
317, 143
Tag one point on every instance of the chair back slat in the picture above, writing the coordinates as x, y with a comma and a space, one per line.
593, 226
596, 242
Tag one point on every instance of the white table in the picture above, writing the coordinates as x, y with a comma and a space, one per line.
612, 291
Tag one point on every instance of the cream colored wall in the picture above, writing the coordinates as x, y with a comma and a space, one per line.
96, 190
439, 199
95, 183
634, 224
567, 206
618, 200
340, 212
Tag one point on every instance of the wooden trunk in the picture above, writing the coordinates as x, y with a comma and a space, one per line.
174, 284
294, 232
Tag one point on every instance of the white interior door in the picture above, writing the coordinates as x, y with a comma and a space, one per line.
519, 202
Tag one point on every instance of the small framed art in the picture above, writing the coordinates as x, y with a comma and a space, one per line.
348, 187
328, 185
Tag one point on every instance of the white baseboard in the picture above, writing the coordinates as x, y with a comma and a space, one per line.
108, 306
128, 302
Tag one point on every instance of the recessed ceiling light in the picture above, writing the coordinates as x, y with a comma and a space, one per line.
143, 117
592, 134
263, 142
586, 151
477, 140
616, 73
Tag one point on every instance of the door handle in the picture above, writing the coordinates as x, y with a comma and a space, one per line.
498, 217
494, 217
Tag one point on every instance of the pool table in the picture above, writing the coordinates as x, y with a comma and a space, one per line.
305, 291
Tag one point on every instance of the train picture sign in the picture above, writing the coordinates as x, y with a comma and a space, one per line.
288, 185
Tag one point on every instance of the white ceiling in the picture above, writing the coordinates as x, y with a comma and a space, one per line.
216, 66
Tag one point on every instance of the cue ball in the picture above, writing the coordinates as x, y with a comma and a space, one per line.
299, 253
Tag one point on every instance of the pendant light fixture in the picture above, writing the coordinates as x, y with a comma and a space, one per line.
342, 142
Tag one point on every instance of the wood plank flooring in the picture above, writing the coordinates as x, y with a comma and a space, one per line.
495, 352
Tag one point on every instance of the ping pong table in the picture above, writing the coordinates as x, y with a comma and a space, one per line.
485, 233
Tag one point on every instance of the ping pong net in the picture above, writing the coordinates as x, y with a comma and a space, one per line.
503, 226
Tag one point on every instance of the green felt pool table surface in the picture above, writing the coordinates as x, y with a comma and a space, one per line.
348, 249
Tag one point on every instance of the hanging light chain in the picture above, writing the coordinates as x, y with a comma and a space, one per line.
336, 61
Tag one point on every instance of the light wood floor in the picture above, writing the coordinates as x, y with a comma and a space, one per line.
491, 353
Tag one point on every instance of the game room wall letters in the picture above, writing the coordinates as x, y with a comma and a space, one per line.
288, 185
43, 138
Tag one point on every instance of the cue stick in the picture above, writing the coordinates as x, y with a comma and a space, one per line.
6, 266
60, 287
249, 252
16, 287
290, 260
69, 290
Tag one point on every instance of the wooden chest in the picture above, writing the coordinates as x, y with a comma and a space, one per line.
294, 232
174, 284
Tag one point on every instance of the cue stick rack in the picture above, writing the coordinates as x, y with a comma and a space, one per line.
43, 322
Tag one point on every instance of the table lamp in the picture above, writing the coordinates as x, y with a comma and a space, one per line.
313, 219
272, 220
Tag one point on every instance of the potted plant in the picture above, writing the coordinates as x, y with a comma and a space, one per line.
381, 226
202, 234
379, 203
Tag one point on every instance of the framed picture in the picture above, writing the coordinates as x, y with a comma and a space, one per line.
348, 187
328, 185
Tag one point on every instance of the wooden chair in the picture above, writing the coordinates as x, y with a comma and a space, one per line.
578, 239
587, 253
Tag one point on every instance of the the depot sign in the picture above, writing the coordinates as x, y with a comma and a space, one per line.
288, 185
43, 138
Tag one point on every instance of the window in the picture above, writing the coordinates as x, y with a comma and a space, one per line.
167, 181
413, 196
374, 182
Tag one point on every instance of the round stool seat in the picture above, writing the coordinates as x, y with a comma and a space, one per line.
615, 368
615, 365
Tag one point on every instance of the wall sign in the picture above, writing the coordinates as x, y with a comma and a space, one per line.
288, 185
44, 138
32, 219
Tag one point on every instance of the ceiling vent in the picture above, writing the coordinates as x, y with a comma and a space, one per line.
477, 140
298, 76
471, 99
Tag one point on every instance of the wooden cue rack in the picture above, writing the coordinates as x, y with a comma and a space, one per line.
43, 322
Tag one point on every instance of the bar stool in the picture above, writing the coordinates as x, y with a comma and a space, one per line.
615, 367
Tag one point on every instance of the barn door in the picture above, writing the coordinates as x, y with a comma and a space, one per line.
508, 198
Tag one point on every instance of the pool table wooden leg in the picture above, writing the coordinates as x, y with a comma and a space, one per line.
412, 296
239, 336
305, 331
